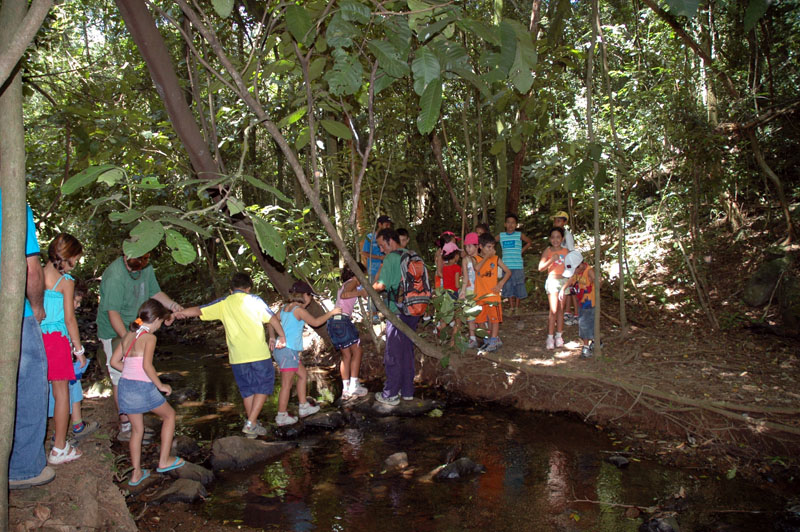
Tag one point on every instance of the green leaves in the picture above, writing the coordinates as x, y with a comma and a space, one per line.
430, 104
269, 239
144, 237
346, 76
426, 68
182, 250
299, 24
337, 129
389, 58
341, 32
686, 8
755, 10
224, 8
354, 11
87, 176
269, 188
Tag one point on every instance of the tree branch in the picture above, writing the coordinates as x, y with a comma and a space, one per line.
12, 53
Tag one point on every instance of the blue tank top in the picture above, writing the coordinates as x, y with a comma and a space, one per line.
512, 249
54, 307
293, 329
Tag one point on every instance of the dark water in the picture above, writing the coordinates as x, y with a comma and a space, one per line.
538, 466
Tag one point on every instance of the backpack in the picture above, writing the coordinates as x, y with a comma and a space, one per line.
414, 291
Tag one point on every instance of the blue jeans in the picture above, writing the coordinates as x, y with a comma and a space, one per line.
27, 452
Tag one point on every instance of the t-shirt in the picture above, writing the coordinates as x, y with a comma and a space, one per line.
243, 316
123, 291
31, 244
449, 274
511, 243
485, 281
371, 246
556, 269
390, 277
586, 289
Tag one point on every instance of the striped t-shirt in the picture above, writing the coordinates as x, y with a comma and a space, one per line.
512, 249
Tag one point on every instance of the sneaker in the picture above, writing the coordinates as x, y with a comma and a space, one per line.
490, 346
473, 344
147, 438
587, 352
84, 429
47, 475
307, 409
359, 391
347, 395
254, 429
498, 342
559, 341
283, 418
389, 401
551, 343
408, 398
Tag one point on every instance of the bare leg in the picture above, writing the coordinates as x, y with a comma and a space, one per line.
355, 361
551, 317
76, 412
286, 390
61, 412
135, 445
302, 379
167, 415
257, 401
344, 365
560, 315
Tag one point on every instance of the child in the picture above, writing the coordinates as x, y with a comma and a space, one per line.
449, 272
553, 261
61, 338
404, 237
294, 316
344, 334
487, 290
243, 315
581, 276
139, 388
560, 220
482, 228
514, 243
468, 280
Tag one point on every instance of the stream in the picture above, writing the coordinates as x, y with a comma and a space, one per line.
539, 469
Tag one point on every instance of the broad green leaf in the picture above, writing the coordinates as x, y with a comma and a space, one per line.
150, 183
269, 239
686, 8
316, 68
186, 224
223, 7
399, 34
388, 58
508, 47
340, 32
293, 117
426, 32
473, 78
419, 13
516, 142
346, 76
125, 217
354, 11
451, 55
520, 74
85, 177
383, 80
430, 103
182, 250
111, 177
234, 206
302, 139
595, 151
498, 147
337, 129
144, 237
299, 24
426, 68
755, 10
525, 44
269, 188
483, 31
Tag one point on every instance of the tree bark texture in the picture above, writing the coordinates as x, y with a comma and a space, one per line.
20, 35
598, 252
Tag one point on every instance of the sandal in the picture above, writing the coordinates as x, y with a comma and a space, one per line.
62, 456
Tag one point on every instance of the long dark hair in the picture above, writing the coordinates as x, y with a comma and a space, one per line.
150, 311
61, 249
348, 274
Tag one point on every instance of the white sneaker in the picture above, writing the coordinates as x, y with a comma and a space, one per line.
306, 410
283, 418
559, 341
551, 343
358, 391
254, 429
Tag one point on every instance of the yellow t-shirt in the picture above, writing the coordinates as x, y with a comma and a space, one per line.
243, 316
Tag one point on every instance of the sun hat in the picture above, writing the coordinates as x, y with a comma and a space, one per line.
571, 263
471, 239
561, 214
302, 287
449, 248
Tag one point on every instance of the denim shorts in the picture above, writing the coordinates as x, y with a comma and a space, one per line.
287, 359
342, 331
515, 286
254, 377
138, 397
586, 323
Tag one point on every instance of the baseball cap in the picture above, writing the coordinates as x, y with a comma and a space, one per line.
561, 214
471, 239
302, 287
449, 248
571, 263
383, 219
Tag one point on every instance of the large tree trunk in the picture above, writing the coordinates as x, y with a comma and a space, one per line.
598, 252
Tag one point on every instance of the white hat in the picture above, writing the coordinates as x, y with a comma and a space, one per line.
571, 263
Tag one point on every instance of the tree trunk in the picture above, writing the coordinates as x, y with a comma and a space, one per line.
471, 195
13, 266
501, 192
598, 252
512, 204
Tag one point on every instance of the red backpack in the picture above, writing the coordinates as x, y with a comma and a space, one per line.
414, 291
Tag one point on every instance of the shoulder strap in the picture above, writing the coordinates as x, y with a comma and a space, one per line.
139, 332
59, 280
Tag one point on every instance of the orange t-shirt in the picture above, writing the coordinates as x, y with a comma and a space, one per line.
556, 269
485, 281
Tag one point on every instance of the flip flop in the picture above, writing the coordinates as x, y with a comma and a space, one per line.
145, 474
179, 462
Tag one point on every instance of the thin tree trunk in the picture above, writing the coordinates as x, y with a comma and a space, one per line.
776, 181
598, 252
436, 146
501, 192
19, 35
482, 171
470, 178
13, 266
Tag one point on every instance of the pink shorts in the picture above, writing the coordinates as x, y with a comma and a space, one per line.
59, 357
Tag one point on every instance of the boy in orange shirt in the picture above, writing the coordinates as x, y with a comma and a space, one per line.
487, 290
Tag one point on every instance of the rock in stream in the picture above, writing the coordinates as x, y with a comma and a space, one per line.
237, 452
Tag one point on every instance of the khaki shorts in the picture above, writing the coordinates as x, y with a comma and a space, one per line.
553, 285
108, 347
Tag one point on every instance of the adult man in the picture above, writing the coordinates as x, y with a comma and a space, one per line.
126, 284
371, 254
27, 466
398, 358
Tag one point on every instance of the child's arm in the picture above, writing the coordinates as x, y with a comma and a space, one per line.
352, 288
191, 312
545, 263
275, 324
272, 339
571, 281
527, 242
68, 292
506, 276
303, 314
147, 363
116, 356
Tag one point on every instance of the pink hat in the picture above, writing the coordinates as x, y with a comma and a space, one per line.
449, 248
471, 239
